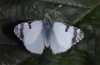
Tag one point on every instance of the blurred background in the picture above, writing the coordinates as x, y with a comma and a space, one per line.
84, 14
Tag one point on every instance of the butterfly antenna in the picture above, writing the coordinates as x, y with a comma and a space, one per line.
48, 15
37, 9
55, 9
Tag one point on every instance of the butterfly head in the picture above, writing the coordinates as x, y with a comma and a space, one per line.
49, 15
47, 18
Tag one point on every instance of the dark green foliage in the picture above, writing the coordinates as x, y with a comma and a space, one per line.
84, 14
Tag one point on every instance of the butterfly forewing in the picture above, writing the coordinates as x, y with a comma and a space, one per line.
63, 37
31, 35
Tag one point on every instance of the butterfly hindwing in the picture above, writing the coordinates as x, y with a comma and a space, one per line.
31, 35
63, 37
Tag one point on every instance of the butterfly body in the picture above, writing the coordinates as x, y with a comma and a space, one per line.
38, 34
47, 29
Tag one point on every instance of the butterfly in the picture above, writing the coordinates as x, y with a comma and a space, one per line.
40, 34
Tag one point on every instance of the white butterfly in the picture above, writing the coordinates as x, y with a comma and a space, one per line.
38, 34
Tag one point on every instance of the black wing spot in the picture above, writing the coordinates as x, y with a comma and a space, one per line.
67, 27
29, 24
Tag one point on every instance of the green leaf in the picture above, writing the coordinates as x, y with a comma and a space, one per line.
72, 57
84, 14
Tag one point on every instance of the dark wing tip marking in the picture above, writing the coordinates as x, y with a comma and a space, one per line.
75, 35
78, 35
19, 31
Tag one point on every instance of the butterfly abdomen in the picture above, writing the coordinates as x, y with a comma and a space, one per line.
47, 29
